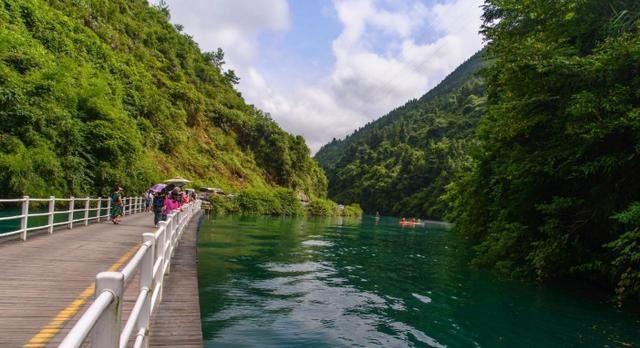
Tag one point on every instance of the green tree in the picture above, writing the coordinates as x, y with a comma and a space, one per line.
94, 93
231, 77
217, 57
559, 139
401, 163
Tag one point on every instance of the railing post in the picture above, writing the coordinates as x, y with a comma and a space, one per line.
99, 210
124, 206
25, 217
181, 222
163, 226
86, 211
167, 244
160, 251
146, 281
52, 210
71, 207
176, 230
109, 207
106, 333
169, 241
137, 205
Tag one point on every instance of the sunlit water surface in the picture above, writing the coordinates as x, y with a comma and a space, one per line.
276, 282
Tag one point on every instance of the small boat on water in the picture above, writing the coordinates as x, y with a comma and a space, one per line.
411, 223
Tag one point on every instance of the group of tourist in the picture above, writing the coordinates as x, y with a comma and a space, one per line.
162, 203
166, 201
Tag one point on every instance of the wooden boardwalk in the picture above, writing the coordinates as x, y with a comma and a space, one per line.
46, 282
173, 324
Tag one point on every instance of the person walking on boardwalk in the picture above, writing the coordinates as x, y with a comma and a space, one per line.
116, 204
158, 204
171, 203
148, 200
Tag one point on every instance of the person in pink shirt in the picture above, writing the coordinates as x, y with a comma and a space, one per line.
170, 204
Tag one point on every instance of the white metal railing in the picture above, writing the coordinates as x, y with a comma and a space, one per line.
153, 260
90, 209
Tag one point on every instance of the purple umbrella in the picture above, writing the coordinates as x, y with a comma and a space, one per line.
157, 187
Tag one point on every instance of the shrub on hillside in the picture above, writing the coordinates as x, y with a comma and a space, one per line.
222, 205
322, 207
280, 201
258, 201
289, 202
352, 210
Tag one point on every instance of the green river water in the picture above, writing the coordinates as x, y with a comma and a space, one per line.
277, 282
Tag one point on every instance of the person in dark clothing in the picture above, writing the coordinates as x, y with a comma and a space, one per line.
158, 203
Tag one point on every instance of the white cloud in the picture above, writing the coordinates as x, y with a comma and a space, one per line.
233, 25
381, 57
366, 83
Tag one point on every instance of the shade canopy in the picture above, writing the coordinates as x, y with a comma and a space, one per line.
178, 181
158, 187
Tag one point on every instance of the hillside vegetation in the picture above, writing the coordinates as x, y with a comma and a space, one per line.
554, 189
401, 163
547, 185
94, 93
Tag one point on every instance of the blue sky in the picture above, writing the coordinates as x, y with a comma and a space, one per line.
313, 25
323, 68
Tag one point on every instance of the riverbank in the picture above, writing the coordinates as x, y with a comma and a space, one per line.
278, 202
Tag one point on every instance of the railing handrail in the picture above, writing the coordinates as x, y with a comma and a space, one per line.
153, 259
131, 205
81, 330
129, 269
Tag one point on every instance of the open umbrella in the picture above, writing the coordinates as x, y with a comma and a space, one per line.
157, 187
168, 188
178, 181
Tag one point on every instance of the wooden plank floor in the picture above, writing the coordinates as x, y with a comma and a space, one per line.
45, 274
177, 321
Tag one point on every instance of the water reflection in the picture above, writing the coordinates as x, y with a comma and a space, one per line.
360, 283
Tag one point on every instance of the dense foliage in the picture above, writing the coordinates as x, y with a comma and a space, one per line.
554, 186
322, 207
94, 93
548, 185
278, 202
351, 210
401, 163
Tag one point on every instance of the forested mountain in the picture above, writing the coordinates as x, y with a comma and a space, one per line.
401, 163
548, 185
94, 93
554, 189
